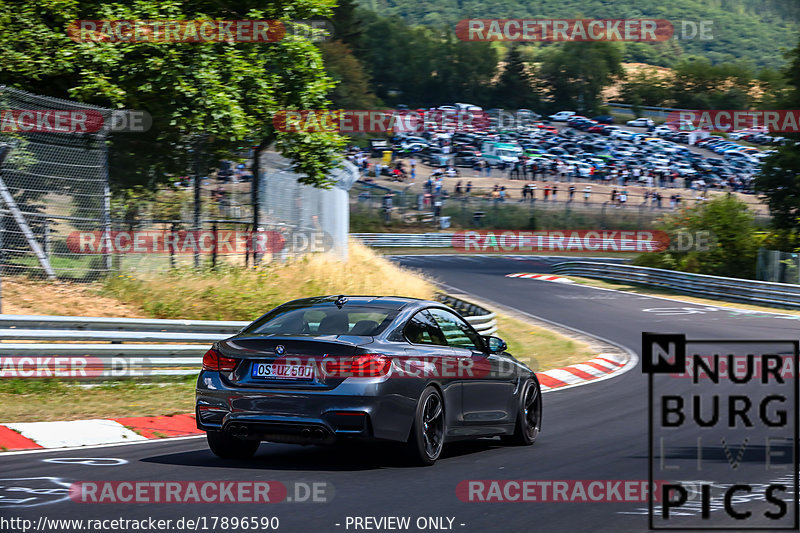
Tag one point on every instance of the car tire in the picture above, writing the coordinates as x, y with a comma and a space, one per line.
228, 447
426, 439
529, 416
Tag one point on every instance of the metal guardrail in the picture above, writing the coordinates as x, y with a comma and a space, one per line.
405, 240
136, 347
739, 290
645, 110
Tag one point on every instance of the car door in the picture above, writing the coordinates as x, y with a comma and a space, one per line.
427, 354
487, 392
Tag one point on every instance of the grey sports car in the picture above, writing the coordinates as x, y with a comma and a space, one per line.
319, 370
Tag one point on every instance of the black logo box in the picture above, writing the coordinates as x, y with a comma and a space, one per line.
652, 365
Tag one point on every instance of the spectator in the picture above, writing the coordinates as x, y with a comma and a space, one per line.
571, 191
457, 189
587, 191
469, 188
546, 193
555, 192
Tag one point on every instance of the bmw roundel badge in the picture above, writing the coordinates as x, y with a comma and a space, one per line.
280, 350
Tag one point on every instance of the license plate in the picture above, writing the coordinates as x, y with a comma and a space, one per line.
282, 371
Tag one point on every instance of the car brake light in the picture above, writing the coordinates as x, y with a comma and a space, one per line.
362, 366
212, 360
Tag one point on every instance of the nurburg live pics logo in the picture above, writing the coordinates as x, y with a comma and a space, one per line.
726, 439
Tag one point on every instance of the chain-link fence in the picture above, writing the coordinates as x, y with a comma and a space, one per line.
53, 182
57, 219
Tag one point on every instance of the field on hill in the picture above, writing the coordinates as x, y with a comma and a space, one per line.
752, 31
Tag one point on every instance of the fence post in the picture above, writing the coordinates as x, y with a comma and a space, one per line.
172, 247
48, 251
214, 251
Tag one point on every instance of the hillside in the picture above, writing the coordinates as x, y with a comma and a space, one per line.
755, 31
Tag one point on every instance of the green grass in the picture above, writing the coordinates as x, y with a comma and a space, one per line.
26, 400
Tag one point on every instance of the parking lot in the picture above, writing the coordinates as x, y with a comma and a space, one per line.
648, 165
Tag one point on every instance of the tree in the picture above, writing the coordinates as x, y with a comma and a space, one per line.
645, 87
779, 179
206, 98
731, 249
697, 84
515, 88
575, 74
352, 89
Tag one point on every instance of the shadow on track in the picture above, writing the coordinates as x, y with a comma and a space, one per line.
352, 456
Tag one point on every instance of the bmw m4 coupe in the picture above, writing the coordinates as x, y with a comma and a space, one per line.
324, 369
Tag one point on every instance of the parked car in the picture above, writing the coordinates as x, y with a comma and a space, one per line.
604, 119
561, 116
641, 122
334, 368
465, 159
623, 134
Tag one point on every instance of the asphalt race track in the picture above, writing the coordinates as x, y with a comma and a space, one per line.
593, 432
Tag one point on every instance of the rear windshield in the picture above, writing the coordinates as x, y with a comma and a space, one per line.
327, 320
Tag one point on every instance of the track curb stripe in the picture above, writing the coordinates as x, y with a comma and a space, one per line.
12, 440
601, 366
540, 277
35, 435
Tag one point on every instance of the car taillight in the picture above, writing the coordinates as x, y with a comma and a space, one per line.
212, 360
362, 366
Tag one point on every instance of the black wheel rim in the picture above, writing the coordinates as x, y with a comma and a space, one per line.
532, 411
433, 425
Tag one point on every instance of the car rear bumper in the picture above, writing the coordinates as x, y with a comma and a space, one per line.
357, 408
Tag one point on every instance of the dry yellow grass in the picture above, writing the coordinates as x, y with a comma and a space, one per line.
239, 294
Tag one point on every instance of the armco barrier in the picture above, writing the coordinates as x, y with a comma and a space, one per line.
739, 290
140, 347
405, 240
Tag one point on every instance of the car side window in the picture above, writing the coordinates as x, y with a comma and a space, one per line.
422, 329
457, 332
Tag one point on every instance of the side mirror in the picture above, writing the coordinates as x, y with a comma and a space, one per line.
495, 344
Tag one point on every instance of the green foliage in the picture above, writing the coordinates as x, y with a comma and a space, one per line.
420, 65
205, 99
515, 88
352, 89
576, 73
731, 250
645, 87
779, 180
751, 30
